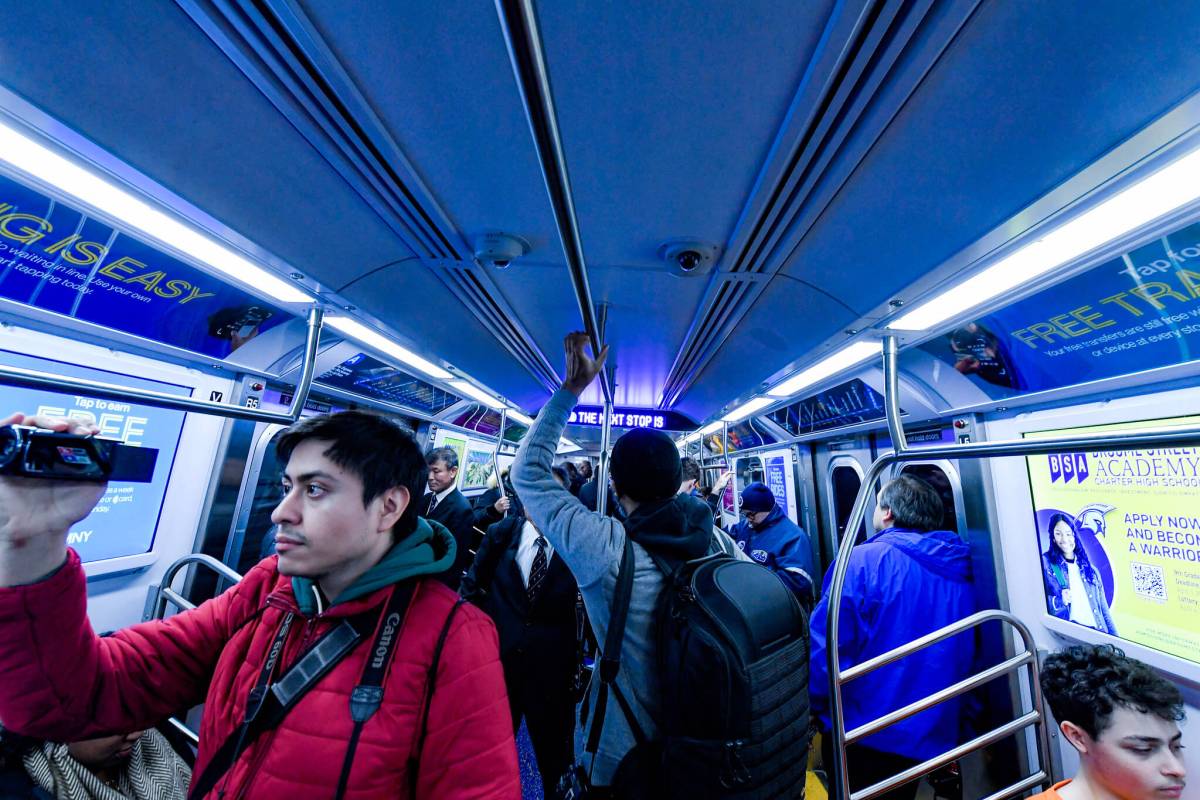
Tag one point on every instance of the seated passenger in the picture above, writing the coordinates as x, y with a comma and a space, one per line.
445, 504
491, 506
1074, 590
1122, 719
354, 562
769, 536
137, 766
906, 581
525, 587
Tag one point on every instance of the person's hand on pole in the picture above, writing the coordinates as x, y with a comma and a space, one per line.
581, 369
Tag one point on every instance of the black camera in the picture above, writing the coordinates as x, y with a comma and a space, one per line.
37, 453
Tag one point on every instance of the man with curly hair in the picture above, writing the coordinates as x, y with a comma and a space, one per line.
1122, 718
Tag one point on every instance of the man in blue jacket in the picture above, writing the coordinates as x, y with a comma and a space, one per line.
906, 581
769, 536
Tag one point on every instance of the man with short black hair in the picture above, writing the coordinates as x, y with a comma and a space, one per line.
444, 503
352, 575
907, 580
1122, 718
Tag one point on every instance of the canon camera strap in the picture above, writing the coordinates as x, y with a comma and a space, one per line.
268, 703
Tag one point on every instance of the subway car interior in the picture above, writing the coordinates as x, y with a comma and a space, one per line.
826, 242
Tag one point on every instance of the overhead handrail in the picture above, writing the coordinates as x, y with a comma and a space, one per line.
31, 379
166, 594
518, 20
1145, 438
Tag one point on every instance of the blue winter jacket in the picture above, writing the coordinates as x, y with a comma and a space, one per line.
900, 585
783, 546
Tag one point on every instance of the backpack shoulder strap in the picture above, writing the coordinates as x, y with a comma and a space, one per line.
610, 658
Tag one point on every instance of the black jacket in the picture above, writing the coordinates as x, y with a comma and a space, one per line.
587, 496
455, 513
542, 635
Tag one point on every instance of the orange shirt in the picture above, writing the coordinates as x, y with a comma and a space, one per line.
1051, 793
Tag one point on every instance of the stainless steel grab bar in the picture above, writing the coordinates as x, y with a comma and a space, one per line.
15, 376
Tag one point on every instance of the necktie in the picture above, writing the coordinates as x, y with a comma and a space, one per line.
432, 503
537, 573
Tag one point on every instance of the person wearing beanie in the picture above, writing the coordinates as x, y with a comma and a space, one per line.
646, 475
769, 536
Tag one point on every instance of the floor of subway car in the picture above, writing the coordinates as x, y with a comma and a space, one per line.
531, 781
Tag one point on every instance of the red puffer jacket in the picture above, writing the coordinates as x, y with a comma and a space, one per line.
60, 681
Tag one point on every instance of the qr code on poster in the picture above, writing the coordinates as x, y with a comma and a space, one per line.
1149, 581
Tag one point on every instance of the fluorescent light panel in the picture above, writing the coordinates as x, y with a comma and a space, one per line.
475, 393
565, 446
1164, 191
29, 156
372, 338
748, 408
711, 427
843, 359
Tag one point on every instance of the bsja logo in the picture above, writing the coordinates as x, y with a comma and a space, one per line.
1069, 467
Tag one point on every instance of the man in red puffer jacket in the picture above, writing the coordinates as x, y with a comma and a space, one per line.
351, 549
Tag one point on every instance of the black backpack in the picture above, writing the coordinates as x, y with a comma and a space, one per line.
733, 648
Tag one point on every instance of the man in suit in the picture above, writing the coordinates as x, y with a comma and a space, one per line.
531, 595
446, 504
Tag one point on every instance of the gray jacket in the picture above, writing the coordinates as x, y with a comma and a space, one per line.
591, 546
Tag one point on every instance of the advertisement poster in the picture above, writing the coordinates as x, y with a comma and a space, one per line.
1133, 313
1119, 534
846, 404
124, 522
777, 480
367, 376
56, 258
477, 469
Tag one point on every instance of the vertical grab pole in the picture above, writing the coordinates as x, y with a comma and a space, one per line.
496, 453
891, 394
602, 476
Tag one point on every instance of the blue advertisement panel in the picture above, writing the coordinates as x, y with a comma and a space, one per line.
777, 480
845, 404
369, 377
1130, 314
124, 522
58, 259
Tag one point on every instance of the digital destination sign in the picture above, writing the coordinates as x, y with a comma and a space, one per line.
653, 418
56, 258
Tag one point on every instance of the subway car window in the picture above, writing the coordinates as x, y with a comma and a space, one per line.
846, 483
936, 477
257, 543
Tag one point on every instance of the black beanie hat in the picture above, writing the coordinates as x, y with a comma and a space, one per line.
645, 465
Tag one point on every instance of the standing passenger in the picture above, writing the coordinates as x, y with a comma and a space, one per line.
525, 587
906, 581
354, 563
445, 504
576, 481
1122, 719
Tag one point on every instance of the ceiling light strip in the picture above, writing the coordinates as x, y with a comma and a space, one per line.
1160, 193
88, 187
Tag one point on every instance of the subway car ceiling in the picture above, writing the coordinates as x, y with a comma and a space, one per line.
762, 191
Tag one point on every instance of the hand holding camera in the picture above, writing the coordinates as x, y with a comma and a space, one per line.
35, 513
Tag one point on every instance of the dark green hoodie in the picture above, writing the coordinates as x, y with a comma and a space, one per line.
429, 550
